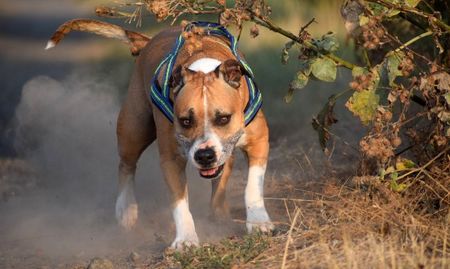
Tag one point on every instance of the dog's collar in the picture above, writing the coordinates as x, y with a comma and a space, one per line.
160, 95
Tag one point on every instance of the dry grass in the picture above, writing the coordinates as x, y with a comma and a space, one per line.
357, 224
361, 225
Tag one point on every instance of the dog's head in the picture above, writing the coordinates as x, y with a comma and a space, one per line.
209, 117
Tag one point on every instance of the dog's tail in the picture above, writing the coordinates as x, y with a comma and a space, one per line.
135, 40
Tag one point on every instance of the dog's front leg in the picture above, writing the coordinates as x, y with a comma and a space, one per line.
257, 218
219, 205
174, 173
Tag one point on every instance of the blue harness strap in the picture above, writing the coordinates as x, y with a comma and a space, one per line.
160, 95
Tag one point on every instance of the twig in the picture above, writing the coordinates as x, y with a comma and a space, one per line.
424, 166
303, 28
413, 40
286, 247
289, 199
415, 11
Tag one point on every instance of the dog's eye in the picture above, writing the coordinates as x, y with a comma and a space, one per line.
185, 123
223, 120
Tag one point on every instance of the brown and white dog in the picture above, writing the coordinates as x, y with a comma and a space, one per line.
210, 94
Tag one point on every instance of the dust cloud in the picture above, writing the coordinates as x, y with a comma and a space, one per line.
65, 130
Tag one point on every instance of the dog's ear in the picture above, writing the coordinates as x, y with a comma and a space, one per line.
179, 75
232, 72
176, 78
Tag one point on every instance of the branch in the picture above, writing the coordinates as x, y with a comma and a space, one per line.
269, 25
406, 9
417, 38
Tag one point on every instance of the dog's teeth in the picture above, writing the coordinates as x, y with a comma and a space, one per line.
50, 44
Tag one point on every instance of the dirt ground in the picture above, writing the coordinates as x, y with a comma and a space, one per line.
334, 221
45, 227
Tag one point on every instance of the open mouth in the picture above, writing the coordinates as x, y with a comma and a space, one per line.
211, 172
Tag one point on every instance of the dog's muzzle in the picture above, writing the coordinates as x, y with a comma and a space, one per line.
206, 158
210, 161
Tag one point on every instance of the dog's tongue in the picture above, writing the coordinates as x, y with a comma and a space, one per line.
208, 172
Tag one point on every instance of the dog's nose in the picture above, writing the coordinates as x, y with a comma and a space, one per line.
205, 156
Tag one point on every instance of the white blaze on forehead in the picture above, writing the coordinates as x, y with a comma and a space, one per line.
205, 65
205, 110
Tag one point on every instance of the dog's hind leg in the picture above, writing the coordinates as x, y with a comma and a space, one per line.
135, 132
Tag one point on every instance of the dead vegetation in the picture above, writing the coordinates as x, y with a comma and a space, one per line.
359, 223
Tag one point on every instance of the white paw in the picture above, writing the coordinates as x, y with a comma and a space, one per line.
187, 241
126, 210
258, 220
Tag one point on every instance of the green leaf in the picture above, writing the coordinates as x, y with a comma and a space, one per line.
394, 184
324, 120
376, 9
404, 164
447, 98
407, 3
328, 43
412, 3
393, 61
379, 9
364, 105
324, 69
363, 20
358, 71
300, 80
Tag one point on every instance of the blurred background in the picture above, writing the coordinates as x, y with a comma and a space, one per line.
58, 108
27, 25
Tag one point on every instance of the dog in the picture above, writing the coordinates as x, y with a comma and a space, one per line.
209, 91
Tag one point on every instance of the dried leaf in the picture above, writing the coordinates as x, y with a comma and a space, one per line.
324, 120
444, 116
254, 31
285, 52
289, 95
440, 80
